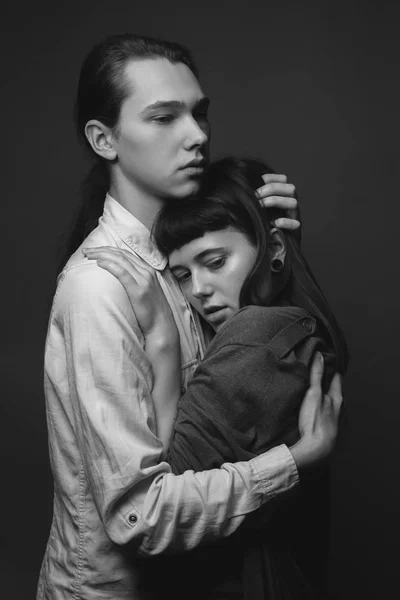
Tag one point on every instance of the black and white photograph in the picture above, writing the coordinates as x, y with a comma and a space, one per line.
200, 300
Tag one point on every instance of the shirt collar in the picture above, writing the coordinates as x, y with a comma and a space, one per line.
133, 233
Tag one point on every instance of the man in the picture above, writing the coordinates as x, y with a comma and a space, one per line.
143, 114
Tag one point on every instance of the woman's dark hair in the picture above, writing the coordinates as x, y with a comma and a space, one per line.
101, 91
228, 200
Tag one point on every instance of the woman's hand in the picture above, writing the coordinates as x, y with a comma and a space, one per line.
278, 193
158, 326
318, 418
140, 281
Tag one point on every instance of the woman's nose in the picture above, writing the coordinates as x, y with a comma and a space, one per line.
200, 287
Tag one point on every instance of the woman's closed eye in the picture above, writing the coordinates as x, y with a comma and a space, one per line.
182, 276
216, 263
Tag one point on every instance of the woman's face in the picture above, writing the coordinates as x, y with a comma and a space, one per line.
211, 271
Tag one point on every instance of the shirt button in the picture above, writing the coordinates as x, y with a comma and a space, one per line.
308, 325
132, 519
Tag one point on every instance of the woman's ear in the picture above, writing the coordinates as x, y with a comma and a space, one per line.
101, 139
277, 248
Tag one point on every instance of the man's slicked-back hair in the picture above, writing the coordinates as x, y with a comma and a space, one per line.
102, 88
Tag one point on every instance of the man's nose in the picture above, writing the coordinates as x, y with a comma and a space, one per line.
197, 133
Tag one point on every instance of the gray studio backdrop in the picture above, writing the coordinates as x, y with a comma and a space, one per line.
313, 89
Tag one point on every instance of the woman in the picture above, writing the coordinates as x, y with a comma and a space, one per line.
251, 284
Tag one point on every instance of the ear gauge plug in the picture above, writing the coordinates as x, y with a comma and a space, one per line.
277, 265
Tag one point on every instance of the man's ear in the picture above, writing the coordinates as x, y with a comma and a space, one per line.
277, 245
101, 139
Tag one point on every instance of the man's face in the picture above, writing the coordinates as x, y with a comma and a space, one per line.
163, 128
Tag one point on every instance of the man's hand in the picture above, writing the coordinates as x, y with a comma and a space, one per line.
278, 193
318, 418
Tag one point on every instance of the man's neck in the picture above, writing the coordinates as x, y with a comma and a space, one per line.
144, 206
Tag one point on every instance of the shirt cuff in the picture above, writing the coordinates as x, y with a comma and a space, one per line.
276, 471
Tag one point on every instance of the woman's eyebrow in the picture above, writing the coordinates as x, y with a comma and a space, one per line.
200, 256
205, 253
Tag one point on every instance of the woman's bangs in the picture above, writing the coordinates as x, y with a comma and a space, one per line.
176, 227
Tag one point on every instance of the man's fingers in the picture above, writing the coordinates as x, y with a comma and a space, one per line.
269, 177
285, 223
335, 392
317, 370
285, 202
276, 188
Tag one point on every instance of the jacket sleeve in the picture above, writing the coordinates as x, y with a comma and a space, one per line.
245, 396
110, 410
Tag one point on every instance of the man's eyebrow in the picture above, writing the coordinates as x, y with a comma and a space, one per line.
163, 104
169, 104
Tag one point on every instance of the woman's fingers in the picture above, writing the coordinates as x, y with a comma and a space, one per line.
129, 255
125, 259
127, 279
126, 271
119, 254
119, 267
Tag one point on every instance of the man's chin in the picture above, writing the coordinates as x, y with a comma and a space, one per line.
189, 188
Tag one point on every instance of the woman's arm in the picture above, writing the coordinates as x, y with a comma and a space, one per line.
157, 324
164, 355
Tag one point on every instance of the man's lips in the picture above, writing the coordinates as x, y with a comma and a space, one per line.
197, 163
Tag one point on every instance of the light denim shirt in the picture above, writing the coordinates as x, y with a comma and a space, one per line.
114, 500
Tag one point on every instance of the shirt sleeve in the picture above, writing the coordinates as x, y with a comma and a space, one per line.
109, 377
